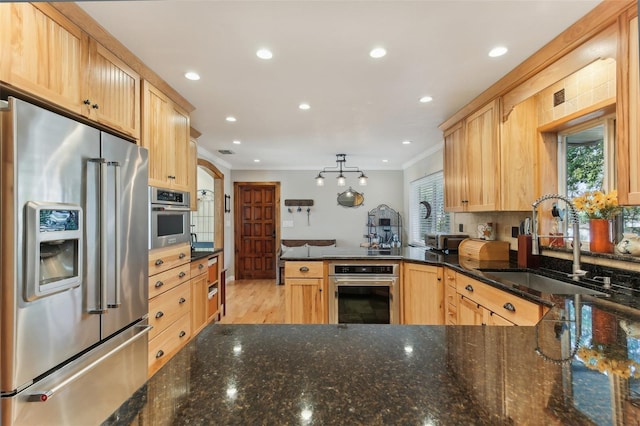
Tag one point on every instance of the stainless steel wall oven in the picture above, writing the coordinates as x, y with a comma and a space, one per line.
364, 293
169, 217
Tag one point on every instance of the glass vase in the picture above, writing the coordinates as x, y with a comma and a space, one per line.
600, 236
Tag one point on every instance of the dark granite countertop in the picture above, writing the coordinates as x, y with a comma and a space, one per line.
390, 374
202, 253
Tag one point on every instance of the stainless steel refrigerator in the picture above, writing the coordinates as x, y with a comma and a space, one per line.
73, 325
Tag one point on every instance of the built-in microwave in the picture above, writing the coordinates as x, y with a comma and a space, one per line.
169, 217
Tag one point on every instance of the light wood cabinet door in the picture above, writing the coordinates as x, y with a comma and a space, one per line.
469, 312
199, 290
519, 185
42, 53
423, 295
304, 301
192, 174
113, 91
165, 133
455, 174
627, 110
483, 158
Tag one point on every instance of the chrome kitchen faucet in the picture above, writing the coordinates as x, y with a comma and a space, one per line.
577, 272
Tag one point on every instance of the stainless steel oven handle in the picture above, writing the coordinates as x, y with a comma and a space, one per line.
118, 218
43, 396
164, 207
368, 281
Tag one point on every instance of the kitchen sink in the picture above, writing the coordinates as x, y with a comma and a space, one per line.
540, 283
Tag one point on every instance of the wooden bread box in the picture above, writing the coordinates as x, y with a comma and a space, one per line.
476, 249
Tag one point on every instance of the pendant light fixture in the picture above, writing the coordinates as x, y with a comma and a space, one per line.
341, 169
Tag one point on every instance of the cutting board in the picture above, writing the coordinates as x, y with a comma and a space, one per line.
476, 249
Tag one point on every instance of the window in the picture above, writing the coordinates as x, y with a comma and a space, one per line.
427, 191
587, 163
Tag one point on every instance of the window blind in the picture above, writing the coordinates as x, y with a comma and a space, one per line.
430, 189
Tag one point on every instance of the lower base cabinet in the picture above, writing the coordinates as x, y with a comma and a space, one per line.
305, 300
423, 299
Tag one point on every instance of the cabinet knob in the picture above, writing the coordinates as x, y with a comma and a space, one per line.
159, 284
304, 269
469, 287
171, 177
182, 300
320, 290
182, 274
86, 102
182, 333
159, 314
95, 106
509, 307
200, 266
182, 256
159, 353
159, 262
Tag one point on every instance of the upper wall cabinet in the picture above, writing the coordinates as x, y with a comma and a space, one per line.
45, 55
628, 108
113, 91
472, 161
165, 133
193, 174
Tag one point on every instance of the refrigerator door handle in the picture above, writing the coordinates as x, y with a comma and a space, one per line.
102, 305
118, 218
43, 396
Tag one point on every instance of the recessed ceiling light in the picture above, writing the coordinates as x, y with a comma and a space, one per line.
192, 76
264, 54
406, 142
231, 119
377, 52
304, 106
426, 99
385, 161
498, 51
257, 160
236, 142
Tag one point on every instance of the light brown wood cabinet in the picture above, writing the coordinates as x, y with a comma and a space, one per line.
165, 133
628, 110
423, 301
450, 297
199, 290
193, 174
305, 300
472, 161
169, 303
493, 306
47, 56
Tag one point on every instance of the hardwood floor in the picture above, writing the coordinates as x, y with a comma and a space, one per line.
254, 302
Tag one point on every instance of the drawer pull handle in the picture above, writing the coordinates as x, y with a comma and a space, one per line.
159, 353
182, 300
159, 284
450, 278
182, 256
159, 262
181, 274
160, 314
200, 266
182, 333
469, 287
509, 307
304, 269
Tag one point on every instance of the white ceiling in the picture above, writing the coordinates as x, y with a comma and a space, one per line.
360, 106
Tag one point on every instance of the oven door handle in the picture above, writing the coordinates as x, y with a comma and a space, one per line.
160, 208
368, 281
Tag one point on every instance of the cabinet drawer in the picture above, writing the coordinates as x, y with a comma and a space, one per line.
199, 266
303, 269
450, 278
452, 314
505, 304
167, 280
450, 295
166, 258
168, 307
166, 344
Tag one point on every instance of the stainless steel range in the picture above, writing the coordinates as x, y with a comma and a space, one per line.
364, 293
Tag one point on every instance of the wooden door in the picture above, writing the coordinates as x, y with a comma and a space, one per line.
256, 229
179, 147
155, 133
